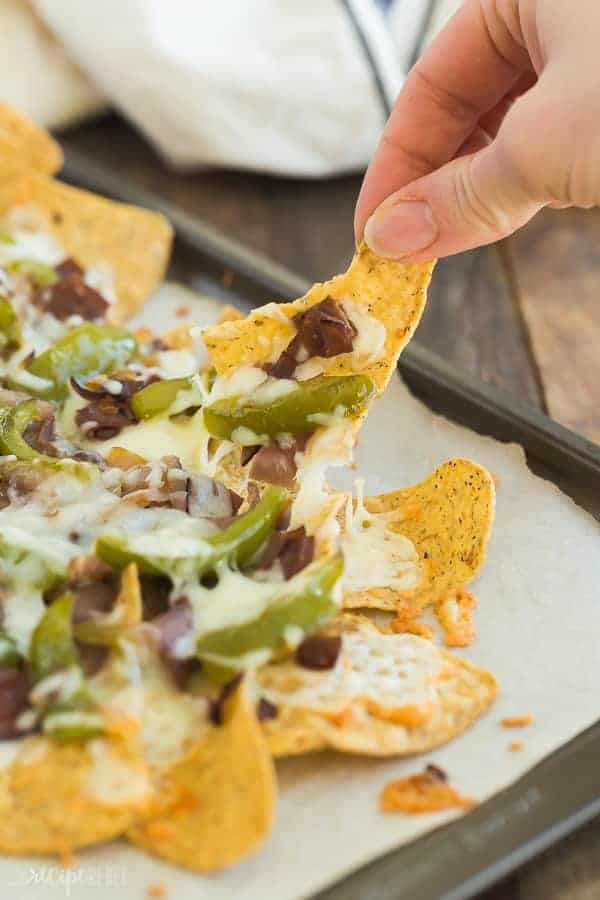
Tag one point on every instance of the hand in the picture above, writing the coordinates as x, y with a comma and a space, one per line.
499, 118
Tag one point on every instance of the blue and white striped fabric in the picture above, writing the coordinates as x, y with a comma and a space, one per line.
293, 87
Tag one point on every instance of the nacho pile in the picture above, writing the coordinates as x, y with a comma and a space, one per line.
175, 570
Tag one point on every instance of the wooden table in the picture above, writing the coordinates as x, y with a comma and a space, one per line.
524, 315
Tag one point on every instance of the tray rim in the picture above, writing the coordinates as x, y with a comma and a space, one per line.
548, 817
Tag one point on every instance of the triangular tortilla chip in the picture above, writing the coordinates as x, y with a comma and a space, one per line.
133, 244
437, 695
216, 804
392, 292
389, 298
24, 146
448, 517
56, 797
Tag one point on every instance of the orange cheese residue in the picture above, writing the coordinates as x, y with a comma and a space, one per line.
427, 791
407, 613
156, 891
411, 716
455, 614
341, 719
517, 721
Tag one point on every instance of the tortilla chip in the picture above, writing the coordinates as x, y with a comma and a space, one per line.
229, 313
460, 691
389, 292
56, 797
393, 292
448, 517
132, 243
129, 600
217, 803
24, 146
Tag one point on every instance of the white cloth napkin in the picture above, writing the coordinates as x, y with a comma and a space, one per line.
295, 87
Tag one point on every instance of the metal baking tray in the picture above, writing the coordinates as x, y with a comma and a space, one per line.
459, 860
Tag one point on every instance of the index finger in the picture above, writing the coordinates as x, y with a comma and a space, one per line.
467, 70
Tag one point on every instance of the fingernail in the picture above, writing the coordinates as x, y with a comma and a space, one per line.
400, 228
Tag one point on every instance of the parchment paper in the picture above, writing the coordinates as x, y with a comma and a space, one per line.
538, 621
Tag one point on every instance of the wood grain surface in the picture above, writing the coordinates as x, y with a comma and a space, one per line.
556, 263
524, 316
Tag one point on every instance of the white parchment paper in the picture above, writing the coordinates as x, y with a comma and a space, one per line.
538, 621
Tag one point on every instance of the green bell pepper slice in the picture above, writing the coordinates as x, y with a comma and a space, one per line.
40, 273
68, 726
13, 424
236, 544
10, 330
209, 376
295, 412
9, 654
5, 236
158, 396
52, 643
82, 353
306, 608
73, 717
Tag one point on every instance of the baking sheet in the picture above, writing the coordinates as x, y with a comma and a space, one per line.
538, 617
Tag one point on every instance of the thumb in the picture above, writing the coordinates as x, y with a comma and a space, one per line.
473, 200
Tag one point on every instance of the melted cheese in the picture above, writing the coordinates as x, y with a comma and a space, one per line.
375, 556
235, 599
273, 311
101, 277
30, 243
329, 446
247, 438
392, 670
162, 436
181, 540
29, 533
137, 685
273, 389
9, 750
21, 611
177, 363
27, 381
111, 780
61, 521
308, 369
243, 382
369, 342
172, 721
